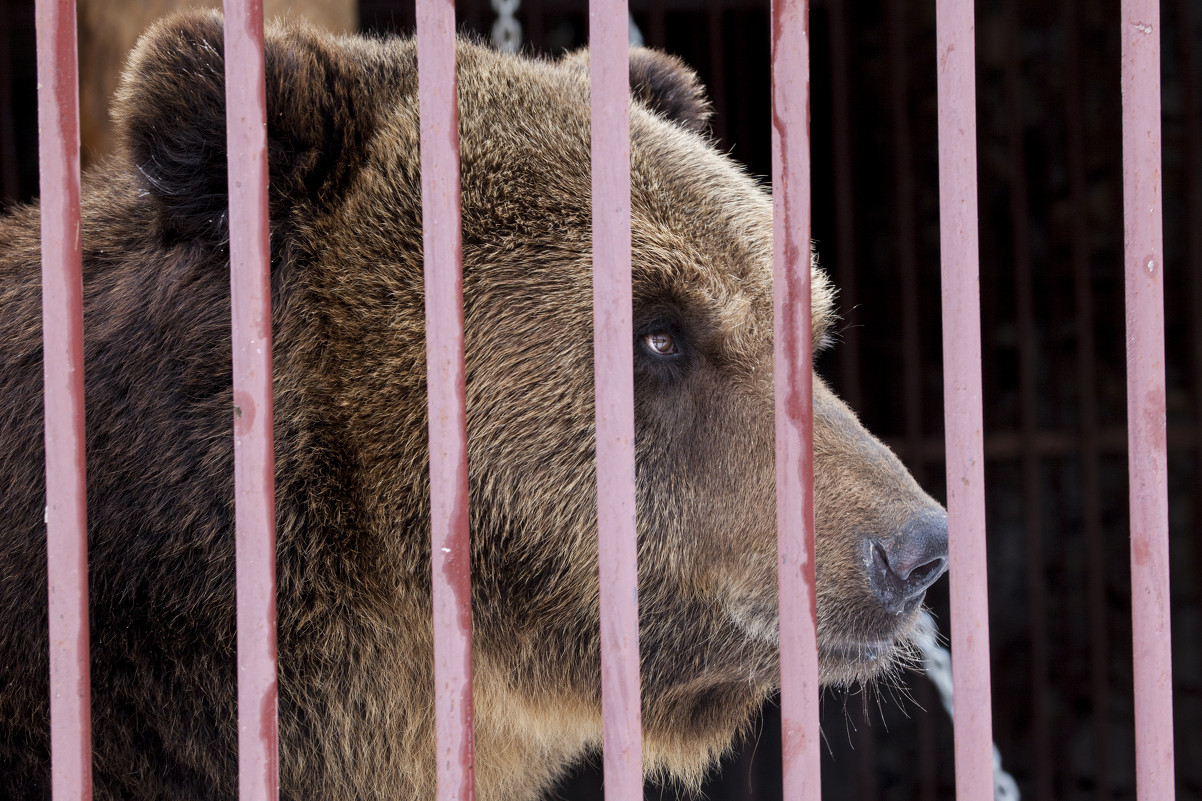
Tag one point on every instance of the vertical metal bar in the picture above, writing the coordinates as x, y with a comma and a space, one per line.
962, 397
794, 399
62, 347
907, 248
1095, 559
845, 247
450, 555
1041, 739
1140, 36
254, 462
613, 349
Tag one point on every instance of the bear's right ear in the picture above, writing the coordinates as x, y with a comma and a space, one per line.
170, 115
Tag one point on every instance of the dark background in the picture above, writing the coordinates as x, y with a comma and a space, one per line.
1050, 199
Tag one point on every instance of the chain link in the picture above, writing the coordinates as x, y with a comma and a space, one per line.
506, 31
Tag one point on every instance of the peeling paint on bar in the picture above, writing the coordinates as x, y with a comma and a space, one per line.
450, 556
613, 353
1147, 459
62, 331
254, 462
959, 246
800, 735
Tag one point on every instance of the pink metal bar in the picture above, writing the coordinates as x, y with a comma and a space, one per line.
254, 462
62, 346
613, 350
962, 398
1147, 461
450, 556
800, 736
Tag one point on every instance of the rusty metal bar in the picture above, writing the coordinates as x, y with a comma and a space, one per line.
1147, 451
62, 348
1041, 735
450, 555
613, 350
800, 736
1090, 452
962, 397
254, 461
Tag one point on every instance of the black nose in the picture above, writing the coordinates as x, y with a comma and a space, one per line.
901, 567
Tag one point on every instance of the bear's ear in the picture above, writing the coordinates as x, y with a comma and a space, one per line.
170, 115
669, 87
664, 84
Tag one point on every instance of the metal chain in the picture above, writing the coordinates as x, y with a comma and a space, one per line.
506, 31
938, 664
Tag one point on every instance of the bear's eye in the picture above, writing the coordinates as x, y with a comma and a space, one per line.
660, 343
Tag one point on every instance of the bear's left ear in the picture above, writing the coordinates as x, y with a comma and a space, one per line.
664, 84
170, 115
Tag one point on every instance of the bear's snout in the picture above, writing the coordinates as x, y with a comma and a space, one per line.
902, 566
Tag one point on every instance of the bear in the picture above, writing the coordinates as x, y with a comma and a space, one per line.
352, 517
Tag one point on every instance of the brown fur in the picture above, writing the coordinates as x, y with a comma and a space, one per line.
108, 30
352, 492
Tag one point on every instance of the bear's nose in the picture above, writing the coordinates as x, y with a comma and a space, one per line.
901, 567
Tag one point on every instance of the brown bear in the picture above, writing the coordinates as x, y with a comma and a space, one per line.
350, 425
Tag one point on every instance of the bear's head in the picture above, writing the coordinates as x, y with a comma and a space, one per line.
350, 386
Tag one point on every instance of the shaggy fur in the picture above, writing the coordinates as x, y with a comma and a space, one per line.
350, 426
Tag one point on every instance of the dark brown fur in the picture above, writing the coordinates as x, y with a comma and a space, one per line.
108, 30
353, 550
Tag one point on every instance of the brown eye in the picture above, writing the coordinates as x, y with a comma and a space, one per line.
660, 343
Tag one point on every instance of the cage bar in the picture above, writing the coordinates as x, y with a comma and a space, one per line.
254, 462
1147, 450
800, 736
613, 350
962, 397
450, 554
62, 332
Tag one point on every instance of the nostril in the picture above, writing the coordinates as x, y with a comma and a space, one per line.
880, 559
902, 567
924, 576
887, 586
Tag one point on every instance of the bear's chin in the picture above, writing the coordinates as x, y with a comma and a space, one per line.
846, 662
851, 658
